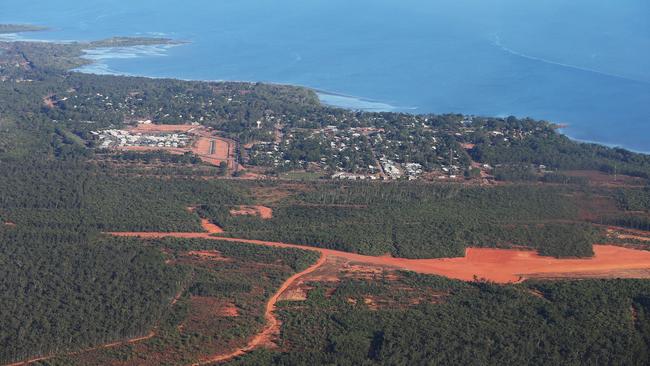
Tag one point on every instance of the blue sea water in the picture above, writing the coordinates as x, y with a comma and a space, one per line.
584, 63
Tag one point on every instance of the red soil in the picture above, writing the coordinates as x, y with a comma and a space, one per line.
264, 212
49, 103
272, 323
210, 227
251, 175
497, 265
261, 211
229, 310
224, 149
211, 255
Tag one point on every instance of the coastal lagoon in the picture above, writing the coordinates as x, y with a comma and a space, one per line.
583, 63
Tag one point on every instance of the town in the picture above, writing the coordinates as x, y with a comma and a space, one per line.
114, 138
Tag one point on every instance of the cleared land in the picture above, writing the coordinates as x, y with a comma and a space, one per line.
261, 211
215, 150
496, 265
210, 148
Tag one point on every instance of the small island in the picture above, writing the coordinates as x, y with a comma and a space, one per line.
17, 28
131, 41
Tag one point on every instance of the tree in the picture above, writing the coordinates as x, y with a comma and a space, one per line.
223, 166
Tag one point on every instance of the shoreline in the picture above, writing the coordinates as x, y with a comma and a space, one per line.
329, 98
320, 93
95, 66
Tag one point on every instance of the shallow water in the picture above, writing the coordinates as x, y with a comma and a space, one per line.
585, 63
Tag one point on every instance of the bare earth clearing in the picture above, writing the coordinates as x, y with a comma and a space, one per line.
496, 265
210, 148
261, 211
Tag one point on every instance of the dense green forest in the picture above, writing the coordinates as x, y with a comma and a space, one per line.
243, 280
416, 220
547, 147
64, 290
428, 320
73, 196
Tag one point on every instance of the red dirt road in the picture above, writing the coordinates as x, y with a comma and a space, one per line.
272, 326
497, 265
149, 335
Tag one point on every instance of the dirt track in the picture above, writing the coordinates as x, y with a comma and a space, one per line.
272, 326
497, 265
149, 335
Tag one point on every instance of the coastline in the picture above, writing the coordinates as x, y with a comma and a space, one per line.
339, 100
97, 54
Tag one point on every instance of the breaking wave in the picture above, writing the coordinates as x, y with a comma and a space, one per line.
497, 43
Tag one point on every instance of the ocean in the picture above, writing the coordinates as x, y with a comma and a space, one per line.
582, 63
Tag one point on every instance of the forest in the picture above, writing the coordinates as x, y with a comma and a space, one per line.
65, 290
547, 147
74, 196
416, 220
197, 325
429, 320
